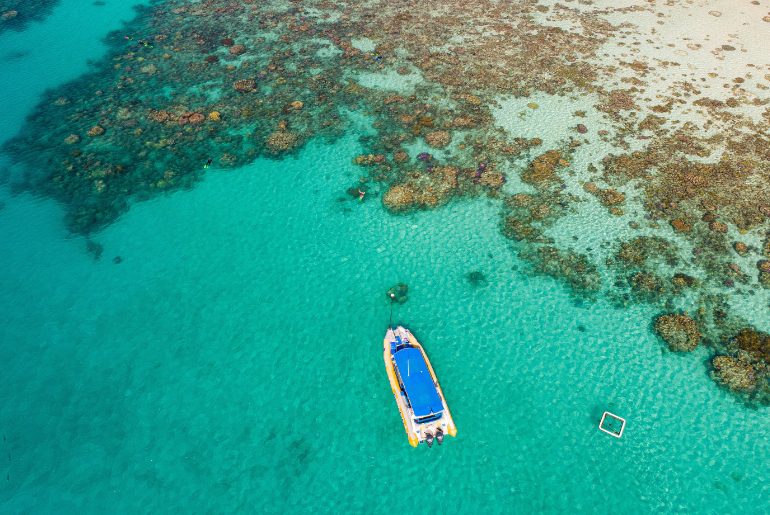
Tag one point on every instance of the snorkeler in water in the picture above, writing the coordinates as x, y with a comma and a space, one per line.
208, 163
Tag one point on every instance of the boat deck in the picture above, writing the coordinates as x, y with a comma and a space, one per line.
422, 386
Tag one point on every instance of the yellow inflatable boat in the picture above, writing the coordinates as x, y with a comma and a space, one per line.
423, 408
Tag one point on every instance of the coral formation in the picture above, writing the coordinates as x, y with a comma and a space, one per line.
608, 197
746, 367
756, 343
679, 331
734, 373
281, 141
543, 170
575, 268
438, 139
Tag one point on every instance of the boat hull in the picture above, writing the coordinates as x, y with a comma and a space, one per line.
415, 432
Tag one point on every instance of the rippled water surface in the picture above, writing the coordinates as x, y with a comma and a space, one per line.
223, 354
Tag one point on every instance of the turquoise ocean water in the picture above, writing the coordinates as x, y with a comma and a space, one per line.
232, 361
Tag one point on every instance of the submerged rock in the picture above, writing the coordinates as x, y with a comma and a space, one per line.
398, 293
679, 331
95, 249
476, 278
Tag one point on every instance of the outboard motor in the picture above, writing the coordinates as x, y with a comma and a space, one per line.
439, 436
429, 439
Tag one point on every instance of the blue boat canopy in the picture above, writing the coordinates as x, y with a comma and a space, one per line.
418, 383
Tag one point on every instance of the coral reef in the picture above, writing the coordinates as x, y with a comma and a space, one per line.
17, 14
223, 83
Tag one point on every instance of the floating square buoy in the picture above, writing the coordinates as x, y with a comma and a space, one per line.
612, 424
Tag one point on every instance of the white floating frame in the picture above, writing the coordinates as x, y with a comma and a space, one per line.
613, 416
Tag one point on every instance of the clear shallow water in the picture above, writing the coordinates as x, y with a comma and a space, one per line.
232, 362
